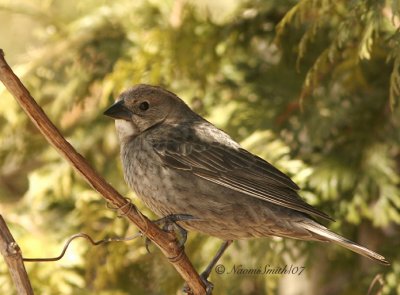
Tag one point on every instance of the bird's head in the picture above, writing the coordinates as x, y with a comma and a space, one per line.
144, 106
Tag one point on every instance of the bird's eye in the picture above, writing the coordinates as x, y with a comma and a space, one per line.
144, 106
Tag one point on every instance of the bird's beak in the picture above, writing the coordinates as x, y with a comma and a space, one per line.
119, 111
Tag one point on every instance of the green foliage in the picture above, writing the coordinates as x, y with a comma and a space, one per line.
311, 86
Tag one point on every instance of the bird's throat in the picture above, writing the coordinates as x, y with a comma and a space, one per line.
125, 130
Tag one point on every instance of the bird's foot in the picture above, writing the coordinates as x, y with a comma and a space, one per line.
169, 224
205, 274
207, 283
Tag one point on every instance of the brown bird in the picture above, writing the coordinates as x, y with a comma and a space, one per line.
179, 163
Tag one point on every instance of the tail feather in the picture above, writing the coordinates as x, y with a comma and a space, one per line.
324, 233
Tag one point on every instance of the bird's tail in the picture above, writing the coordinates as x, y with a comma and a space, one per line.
325, 234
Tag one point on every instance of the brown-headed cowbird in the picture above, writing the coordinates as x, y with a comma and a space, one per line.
179, 163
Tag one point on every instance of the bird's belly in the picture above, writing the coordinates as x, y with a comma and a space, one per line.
150, 186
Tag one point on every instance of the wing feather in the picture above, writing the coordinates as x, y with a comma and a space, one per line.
237, 169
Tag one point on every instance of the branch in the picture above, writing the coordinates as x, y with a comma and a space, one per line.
13, 257
165, 241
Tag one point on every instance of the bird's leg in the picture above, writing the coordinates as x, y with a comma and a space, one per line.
169, 224
214, 261
204, 275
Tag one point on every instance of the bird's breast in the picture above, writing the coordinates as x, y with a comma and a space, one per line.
146, 176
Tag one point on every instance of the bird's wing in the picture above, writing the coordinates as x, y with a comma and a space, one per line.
234, 168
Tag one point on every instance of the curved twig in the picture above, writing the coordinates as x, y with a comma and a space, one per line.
378, 279
87, 237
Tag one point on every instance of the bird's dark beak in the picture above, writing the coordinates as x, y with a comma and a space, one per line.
119, 111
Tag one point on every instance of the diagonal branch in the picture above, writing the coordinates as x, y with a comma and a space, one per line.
165, 241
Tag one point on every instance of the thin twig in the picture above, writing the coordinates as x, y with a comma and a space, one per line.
165, 241
87, 237
13, 257
377, 279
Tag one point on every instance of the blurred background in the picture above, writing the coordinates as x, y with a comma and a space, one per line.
311, 86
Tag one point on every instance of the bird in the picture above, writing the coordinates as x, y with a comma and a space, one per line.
177, 162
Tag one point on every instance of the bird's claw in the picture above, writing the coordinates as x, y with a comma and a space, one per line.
169, 224
207, 283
